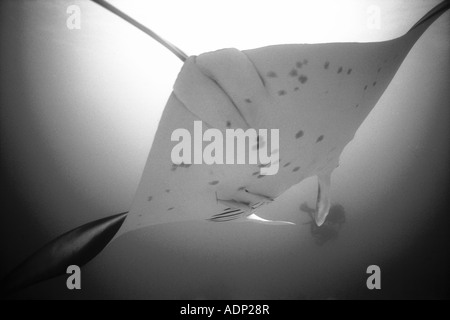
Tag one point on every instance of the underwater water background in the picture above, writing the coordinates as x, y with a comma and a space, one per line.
78, 112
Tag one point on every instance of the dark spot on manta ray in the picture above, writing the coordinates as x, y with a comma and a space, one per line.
181, 165
305, 61
295, 169
271, 74
379, 69
293, 73
357, 105
299, 134
213, 183
171, 208
259, 143
241, 189
228, 124
320, 138
281, 92
340, 70
149, 198
326, 65
287, 165
248, 100
167, 190
298, 64
296, 88
375, 83
365, 88
303, 79
349, 71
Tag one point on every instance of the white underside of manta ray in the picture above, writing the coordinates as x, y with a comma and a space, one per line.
316, 95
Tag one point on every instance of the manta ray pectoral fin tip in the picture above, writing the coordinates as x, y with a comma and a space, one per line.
323, 203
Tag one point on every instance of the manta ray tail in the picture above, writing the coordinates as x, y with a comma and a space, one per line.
76, 247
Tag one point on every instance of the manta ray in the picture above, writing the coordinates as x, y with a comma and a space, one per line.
315, 95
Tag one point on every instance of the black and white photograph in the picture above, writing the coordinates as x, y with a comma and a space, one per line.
228, 151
